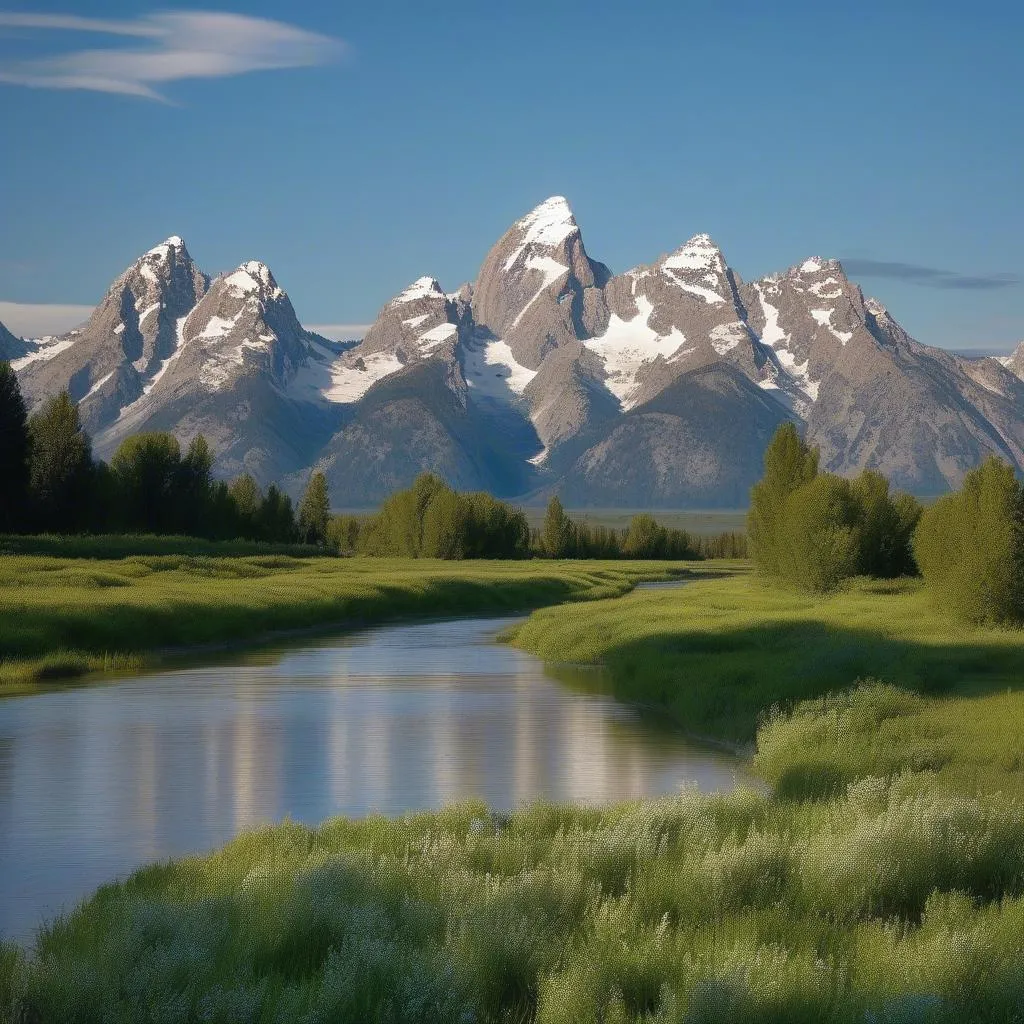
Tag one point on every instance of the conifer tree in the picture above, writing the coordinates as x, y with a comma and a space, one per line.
314, 511
60, 467
14, 452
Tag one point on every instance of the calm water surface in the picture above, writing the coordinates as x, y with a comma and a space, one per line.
99, 780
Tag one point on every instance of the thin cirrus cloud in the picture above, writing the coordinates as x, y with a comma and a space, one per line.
929, 277
169, 46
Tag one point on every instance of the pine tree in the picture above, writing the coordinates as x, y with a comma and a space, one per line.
314, 511
195, 490
60, 467
247, 498
14, 453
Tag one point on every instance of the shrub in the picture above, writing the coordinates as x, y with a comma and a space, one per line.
970, 546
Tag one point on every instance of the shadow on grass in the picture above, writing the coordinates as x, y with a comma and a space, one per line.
723, 684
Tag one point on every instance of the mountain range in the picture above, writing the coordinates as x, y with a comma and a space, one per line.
656, 387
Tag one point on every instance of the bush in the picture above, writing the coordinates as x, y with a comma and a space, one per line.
815, 530
970, 547
430, 520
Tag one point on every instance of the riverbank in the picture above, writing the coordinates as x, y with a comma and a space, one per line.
63, 618
883, 879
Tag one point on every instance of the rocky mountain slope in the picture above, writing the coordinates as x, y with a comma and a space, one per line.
659, 386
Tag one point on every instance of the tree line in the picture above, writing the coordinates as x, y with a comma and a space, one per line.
53, 484
431, 520
814, 530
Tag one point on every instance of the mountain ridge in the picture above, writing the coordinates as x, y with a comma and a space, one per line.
657, 386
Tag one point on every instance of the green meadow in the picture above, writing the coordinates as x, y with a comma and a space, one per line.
879, 877
64, 617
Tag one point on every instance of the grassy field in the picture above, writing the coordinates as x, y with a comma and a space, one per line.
881, 881
63, 617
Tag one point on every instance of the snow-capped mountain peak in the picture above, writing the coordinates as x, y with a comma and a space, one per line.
254, 278
422, 288
548, 224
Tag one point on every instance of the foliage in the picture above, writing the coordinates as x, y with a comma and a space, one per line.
557, 532
314, 511
970, 547
815, 531
430, 520
789, 463
60, 468
14, 452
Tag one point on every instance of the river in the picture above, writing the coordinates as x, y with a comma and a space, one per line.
98, 780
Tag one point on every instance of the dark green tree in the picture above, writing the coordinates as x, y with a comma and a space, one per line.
147, 475
275, 518
60, 468
194, 490
818, 535
645, 538
247, 497
14, 453
314, 511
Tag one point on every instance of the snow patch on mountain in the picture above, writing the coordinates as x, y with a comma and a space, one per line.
421, 288
552, 271
436, 336
627, 345
698, 260
48, 348
491, 370
97, 386
251, 278
350, 383
415, 321
824, 319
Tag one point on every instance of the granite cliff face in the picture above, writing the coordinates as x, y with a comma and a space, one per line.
659, 386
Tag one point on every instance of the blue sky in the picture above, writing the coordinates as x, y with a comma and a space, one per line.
376, 142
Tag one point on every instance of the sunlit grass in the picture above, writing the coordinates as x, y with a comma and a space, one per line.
61, 617
889, 900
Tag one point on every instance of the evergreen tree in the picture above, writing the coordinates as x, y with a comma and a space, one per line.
557, 531
789, 463
14, 453
195, 490
247, 497
60, 468
275, 520
314, 511
147, 475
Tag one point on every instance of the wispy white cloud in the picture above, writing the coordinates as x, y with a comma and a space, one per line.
38, 320
178, 45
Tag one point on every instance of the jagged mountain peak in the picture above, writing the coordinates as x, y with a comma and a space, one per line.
422, 288
253, 278
549, 224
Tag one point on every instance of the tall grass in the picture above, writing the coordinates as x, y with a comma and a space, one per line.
889, 902
60, 617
